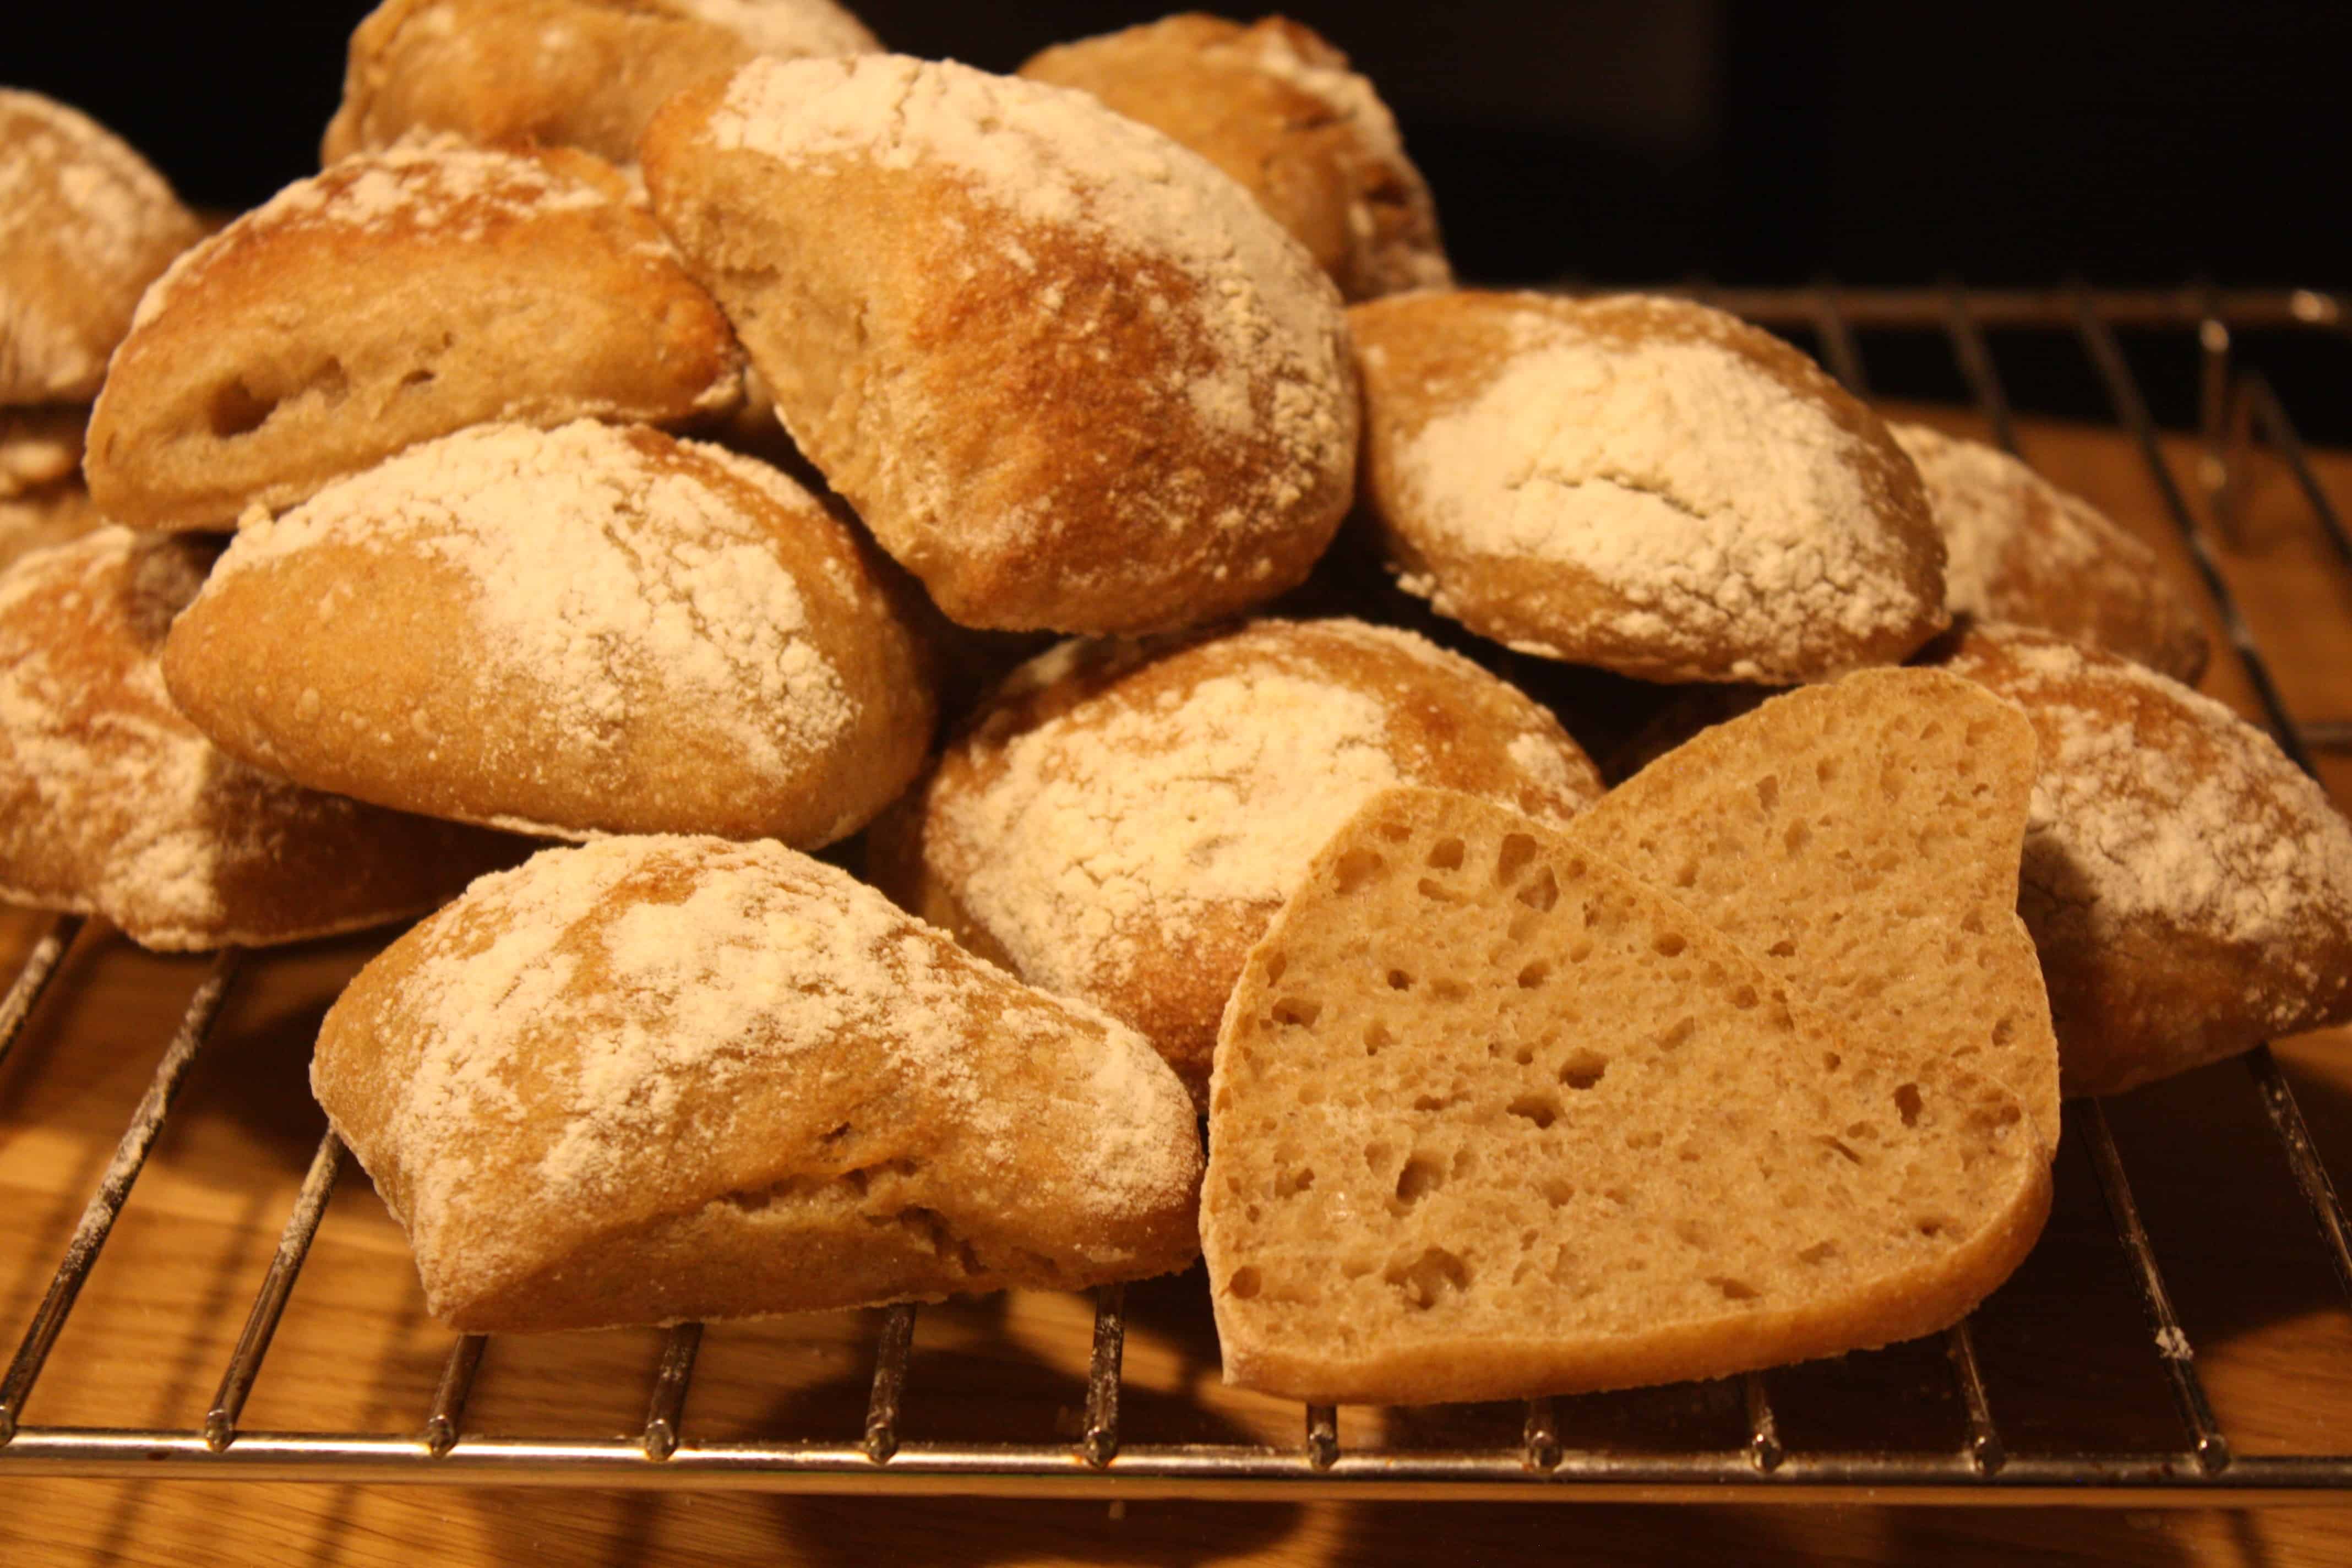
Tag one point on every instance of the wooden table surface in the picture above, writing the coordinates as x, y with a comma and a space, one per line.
2066, 1352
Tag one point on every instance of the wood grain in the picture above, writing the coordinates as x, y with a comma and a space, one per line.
2065, 1349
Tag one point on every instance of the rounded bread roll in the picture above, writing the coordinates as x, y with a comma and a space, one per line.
1642, 484
85, 224
656, 1079
574, 73
1070, 376
1119, 822
573, 632
2019, 548
1274, 105
2189, 889
397, 297
111, 804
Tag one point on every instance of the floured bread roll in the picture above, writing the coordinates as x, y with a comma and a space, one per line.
1641, 484
395, 298
1861, 839
570, 632
85, 224
111, 804
40, 447
2189, 889
1274, 106
1120, 821
1493, 1119
656, 1079
2019, 548
577, 73
45, 517
1070, 376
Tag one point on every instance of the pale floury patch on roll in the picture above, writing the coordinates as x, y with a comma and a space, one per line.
1644, 485
1119, 823
1070, 376
114, 804
660, 1078
606, 631
1276, 107
573, 73
397, 297
85, 224
2021, 550
2189, 887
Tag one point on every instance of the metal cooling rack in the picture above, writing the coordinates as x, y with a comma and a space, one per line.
2238, 407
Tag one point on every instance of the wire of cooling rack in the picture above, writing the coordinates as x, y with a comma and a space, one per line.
882, 1458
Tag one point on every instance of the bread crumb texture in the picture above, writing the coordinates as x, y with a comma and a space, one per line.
1491, 1119
2189, 888
1720, 510
1861, 839
641, 1030
85, 224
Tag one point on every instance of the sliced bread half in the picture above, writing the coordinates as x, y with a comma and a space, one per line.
1490, 1118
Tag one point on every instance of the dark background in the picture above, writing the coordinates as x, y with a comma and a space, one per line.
1609, 141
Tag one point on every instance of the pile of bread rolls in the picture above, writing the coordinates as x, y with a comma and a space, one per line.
705, 461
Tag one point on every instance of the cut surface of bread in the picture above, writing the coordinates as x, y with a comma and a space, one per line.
1861, 839
1491, 1119
660, 1078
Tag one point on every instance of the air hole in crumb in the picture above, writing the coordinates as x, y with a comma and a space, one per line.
1430, 1278
1743, 998
1556, 1192
1826, 1142
1400, 981
2004, 1030
1733, 1290
1517, 850
1534, 974
416, 378
1395, 832
1583, 1069
1578, 952
1639, 1141
1435, 891
236, 410
1297, 1012
1931, 1227
1542, 892
1784, 948
1973, 923
1275, 963
837, 1134
1670, 944
1376, 1038
1356, 867
1448, 989
1524, 924
1767, 793
1933, 728
1690, 1233
1687, 875
1292, 1183
1446, 855
1819, 1252
1540, 1108
1832, 1061
1376, 1154
1797, 836
1245, 1284
1421, 1176
1907, 1101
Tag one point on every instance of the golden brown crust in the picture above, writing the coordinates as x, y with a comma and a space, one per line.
1514, 482
569, 1144
445, 689
1274, 105
1036, 416
2189, 890
1102, 825
85, 226
573, 73
111, 803
396, 298
2022, 551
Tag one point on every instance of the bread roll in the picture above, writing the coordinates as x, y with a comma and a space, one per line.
398, 297
1276, 107
85, 224
1641, 484
40, 446
1070, 376
570, 632
48, 516
665, 1078
111, 804
1120, 821
576, 73
1861, 839
1492, 1120
2021, 550
2189, 889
